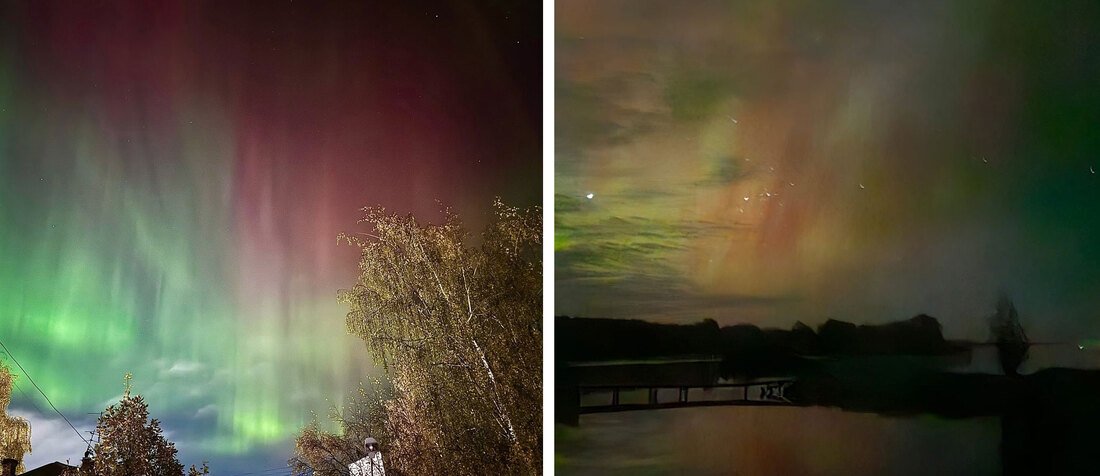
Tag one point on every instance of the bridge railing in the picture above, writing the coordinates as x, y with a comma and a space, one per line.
767, 392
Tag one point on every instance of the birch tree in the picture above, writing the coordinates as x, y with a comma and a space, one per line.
458, 327
15, 432
326, 453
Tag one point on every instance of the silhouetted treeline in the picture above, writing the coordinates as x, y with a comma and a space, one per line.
581, 339
920, 335
744, 348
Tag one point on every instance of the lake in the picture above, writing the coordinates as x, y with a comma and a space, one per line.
799, 440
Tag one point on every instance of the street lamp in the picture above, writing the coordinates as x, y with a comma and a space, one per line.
371, 465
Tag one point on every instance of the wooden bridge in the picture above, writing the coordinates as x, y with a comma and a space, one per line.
606, 387
621, 398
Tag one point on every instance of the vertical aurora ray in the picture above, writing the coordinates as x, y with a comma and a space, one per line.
173, 179
769, 162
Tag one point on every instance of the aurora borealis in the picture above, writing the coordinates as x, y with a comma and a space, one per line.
768, 162
173, 178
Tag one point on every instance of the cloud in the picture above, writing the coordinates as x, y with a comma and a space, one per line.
184, 367
207, 412
52, 439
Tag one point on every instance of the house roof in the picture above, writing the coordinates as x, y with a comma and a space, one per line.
52, 469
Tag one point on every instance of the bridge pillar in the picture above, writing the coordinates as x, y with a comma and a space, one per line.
567, 405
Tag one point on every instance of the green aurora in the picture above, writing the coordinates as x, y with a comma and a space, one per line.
768, 162
173, 181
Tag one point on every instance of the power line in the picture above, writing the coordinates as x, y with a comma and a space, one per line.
29, 399
13, 359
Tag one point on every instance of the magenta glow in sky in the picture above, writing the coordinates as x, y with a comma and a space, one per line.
173, 178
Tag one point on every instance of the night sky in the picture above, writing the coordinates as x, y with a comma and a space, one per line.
173, 176
767, 162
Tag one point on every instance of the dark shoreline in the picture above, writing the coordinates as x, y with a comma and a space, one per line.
1050, 419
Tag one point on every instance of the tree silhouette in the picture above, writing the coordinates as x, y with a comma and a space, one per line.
1009, 337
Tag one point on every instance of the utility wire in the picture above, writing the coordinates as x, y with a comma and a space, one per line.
29, 399
78, 435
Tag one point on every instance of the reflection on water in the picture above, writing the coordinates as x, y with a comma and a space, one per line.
766, 441
1040, 357
803, 441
